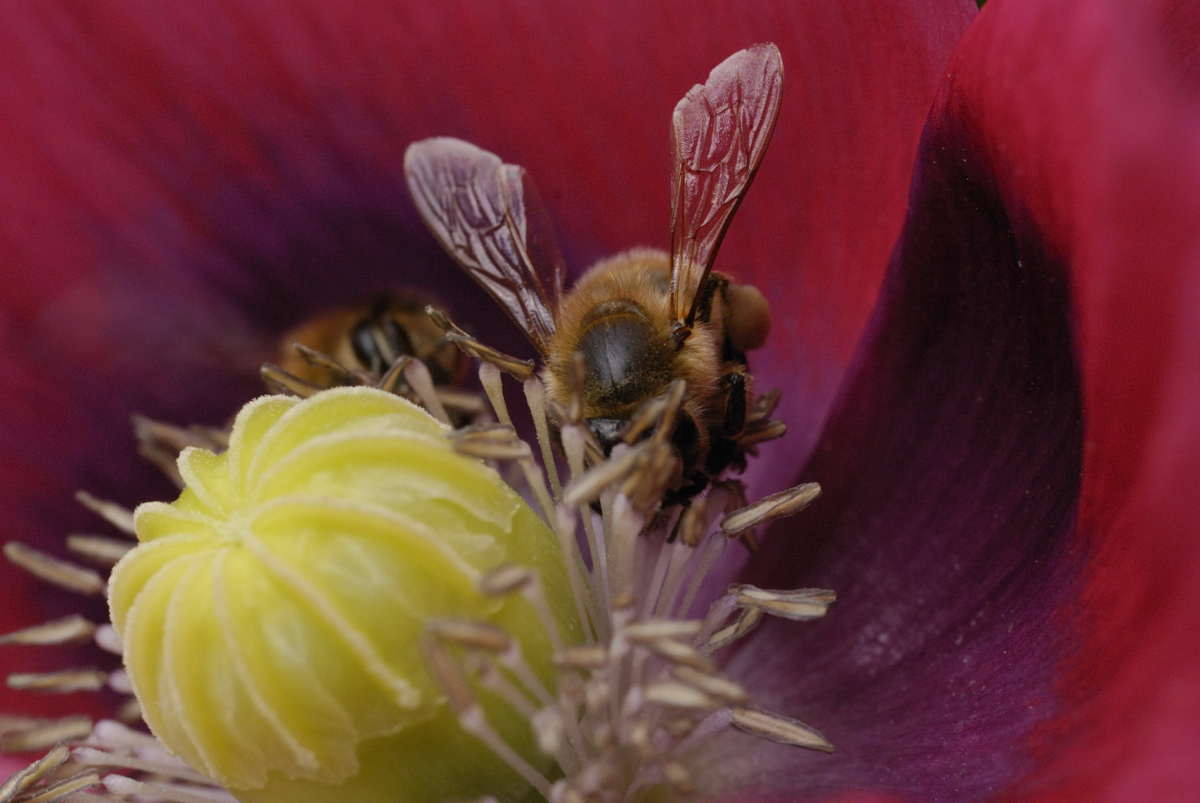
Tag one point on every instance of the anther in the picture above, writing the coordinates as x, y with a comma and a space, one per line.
799, 605
747, 621
393, 380
472, 635
761, 432
581, 658
713, 685
678, 695
68, 630
116, 515
677, 775
26, 778
341, 373
764, 405
99, 549
52, 570
505, 579
588, 487
64, 682
679, 653
281, 381
64, 789
521, 369
770, 508
649, 630
490, 442
41, 735
777, 728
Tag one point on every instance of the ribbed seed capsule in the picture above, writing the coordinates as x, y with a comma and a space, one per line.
272, 616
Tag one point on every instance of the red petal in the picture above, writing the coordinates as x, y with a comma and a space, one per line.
1091, 117
1069, 130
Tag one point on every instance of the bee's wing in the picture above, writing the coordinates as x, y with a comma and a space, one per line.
488, 216
719, 134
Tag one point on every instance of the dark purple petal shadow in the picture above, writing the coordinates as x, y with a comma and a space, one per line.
950, 468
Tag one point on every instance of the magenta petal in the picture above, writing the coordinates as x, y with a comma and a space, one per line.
1017, 608
950, 468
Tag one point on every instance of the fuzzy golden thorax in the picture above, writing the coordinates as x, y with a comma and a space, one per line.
619, 309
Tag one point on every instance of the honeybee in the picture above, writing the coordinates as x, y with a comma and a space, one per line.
371, 337
643, 318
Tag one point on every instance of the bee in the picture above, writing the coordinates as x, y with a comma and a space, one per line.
370, 337
644, 318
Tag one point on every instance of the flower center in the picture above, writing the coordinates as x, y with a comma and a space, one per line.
624, 705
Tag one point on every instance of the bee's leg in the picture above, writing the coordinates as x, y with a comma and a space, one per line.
684, 495
716, 283
734, 386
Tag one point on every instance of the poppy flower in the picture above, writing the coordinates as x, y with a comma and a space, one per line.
978, 238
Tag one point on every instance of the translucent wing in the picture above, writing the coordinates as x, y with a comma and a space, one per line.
488, 216
719, 134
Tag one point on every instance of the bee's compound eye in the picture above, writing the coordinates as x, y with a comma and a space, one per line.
607, 432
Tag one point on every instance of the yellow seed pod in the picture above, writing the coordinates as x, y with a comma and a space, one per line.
272, 615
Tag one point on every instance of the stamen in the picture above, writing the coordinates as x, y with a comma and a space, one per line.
28, 777
116, 515
679, 653
535, 397
393, 380
123, 785
713, 548
577, 659
68, 630
649, 630
92, 757
470, 715
52, 570
779, 729
466, 403
679, 695
341, 373
507, 579
98, 548
585, 603
108, 640
713, 685
281, 381
747, 621
42, 734
489, 377
473, 635
160, 443
628, 704
761, 432
770, 508
520, 369
64, 682
65, 788
799, 605
419, 378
